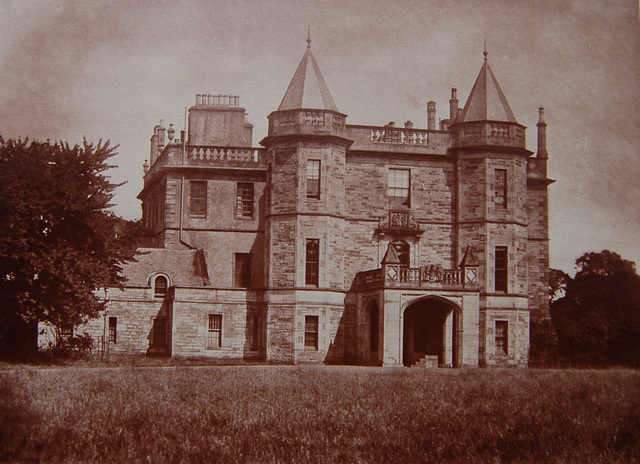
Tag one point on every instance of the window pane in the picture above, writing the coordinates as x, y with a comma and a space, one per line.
244, 199
402, 251
160, 287
214, 331
501, 269
398, 190
500, 187
113, 329
502, 337
311, 332
313, 261
313, 179
198, 198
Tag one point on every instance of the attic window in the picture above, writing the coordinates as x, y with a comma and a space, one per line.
160, 285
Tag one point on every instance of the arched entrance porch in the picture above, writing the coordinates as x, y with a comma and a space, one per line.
431, 328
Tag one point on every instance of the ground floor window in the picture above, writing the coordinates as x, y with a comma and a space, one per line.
214, 332
159, 332
502, 338
311, 332
113, 329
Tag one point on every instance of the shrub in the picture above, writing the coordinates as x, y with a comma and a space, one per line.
543, 346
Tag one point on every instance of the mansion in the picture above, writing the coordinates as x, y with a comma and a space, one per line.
339, 243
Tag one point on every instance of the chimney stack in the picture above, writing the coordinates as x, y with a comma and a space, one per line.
431, 115
542, 136
161, 132
453, 104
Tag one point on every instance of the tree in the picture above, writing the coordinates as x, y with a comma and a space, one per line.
59, 241
557, 283
598, 319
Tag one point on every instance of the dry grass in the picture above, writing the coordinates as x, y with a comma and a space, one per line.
318, 414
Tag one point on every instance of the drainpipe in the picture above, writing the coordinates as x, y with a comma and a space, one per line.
184, 156
181, 213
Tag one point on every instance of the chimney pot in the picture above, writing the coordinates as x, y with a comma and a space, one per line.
431, 115
453, 104
542, 136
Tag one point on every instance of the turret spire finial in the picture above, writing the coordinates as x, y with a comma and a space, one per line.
309, 36
485, 52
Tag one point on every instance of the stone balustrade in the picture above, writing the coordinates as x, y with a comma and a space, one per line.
398, 275
489, 133
400, 136
214, 154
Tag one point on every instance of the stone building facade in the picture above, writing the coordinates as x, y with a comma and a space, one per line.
339, 243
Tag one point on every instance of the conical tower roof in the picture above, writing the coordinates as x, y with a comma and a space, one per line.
487, 101
308, 88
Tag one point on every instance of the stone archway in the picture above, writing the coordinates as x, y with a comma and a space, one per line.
430, 329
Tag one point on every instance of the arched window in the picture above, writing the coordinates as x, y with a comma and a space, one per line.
160, 285
402, 251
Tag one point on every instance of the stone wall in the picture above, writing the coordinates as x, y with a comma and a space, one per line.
538, 248
135, 309
518, 337
192, 308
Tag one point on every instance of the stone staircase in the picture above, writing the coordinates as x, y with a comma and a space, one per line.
428, 361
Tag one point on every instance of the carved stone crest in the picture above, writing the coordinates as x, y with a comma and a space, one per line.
399, 221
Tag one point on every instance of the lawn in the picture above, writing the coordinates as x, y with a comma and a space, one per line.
318, 414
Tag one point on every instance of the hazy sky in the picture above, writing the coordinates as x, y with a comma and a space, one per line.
113, 69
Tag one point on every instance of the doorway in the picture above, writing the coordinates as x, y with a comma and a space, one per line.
430, 329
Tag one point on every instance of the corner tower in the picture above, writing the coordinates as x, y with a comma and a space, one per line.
489, 148
306, 146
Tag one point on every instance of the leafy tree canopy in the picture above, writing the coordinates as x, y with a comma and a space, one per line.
557, 283
59, 241
598, 319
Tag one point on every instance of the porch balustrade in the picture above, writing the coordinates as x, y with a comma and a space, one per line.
398, 275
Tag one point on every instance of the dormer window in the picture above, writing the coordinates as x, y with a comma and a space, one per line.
160, 286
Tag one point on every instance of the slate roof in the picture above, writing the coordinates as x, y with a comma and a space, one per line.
307, 88
486, 101
185, 268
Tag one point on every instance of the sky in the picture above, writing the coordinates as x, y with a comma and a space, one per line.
113, 69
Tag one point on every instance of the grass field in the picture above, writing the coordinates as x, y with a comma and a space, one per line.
318, 414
